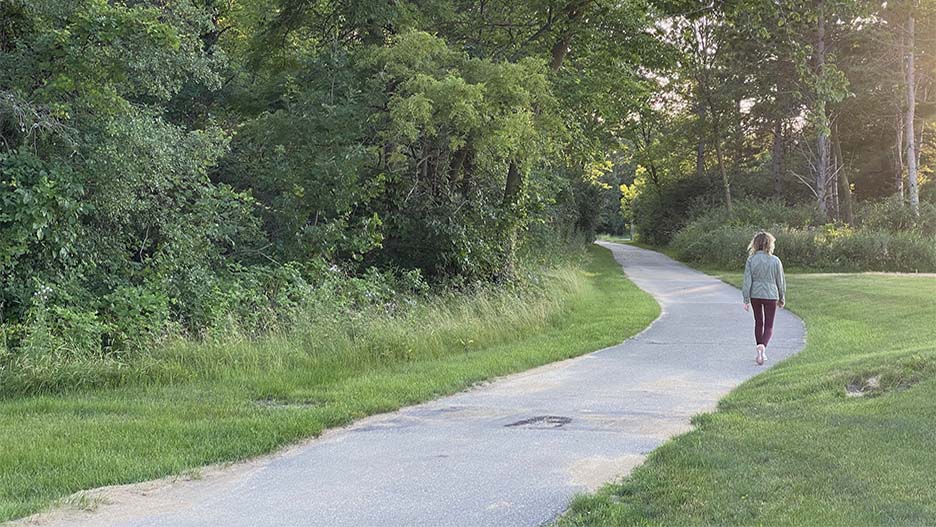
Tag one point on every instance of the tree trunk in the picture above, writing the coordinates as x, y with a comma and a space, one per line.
700, 160
573, 11
834, 187
559, 52
511, 193
822, 173
738, 136
777, 161
700, 147
822, 168
844, 183
458, 166
512, 187
726, 182
898, 158
834, 171
466, 182
848, 211
921, 127
912, 172
655, 179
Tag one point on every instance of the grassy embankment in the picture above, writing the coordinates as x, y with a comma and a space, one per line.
791, 447
211, 403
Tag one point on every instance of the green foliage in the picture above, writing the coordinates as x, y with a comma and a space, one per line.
454, 126
750, 106
719, 237
760, 213
191, 169
40, 206
306, 160
138, 317
409, 155
891, 215
110, 227
660, 211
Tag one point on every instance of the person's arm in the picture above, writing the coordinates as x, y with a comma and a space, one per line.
748, 282
781, 283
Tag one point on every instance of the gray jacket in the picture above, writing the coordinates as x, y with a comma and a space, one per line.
763, 278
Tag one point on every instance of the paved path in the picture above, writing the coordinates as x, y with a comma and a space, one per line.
511, 453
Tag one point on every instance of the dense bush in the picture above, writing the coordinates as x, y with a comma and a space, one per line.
891, 215
659, 212
761, 213
718, 237
349, 318
60, 346
111, 233
177, 183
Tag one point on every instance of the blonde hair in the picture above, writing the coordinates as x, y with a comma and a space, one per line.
762, 241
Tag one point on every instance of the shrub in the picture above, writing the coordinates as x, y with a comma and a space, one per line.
763, 214
832, 248
888, 238
660, 214
891, 215
138, 317
796, 247
724, 246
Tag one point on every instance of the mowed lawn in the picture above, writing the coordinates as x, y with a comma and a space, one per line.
248, 398
789, 447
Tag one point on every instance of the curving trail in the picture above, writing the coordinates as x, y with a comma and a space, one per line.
510, 453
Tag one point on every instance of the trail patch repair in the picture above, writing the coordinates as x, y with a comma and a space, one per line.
509, 453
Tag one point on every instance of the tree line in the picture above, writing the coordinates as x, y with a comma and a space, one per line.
167, 164
821, 101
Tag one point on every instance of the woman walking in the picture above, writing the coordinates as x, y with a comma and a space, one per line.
764, 289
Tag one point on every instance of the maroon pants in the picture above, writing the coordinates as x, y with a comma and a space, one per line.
764, 311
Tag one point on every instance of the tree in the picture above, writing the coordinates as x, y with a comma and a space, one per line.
913, 11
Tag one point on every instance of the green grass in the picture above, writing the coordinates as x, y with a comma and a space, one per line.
788, 447
214, 403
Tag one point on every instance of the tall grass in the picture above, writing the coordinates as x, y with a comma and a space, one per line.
424, 330
418, 328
